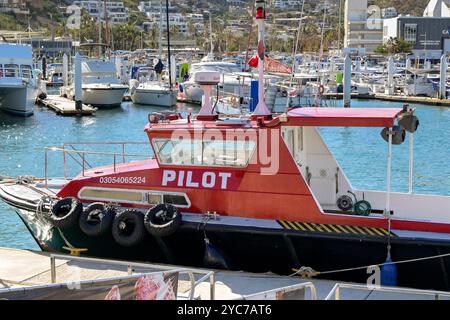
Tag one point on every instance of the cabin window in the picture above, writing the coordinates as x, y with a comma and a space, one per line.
26, 71
221, 153
1, 71
11, 70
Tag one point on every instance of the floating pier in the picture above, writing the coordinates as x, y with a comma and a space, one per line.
65, 106
393, 98
25, 268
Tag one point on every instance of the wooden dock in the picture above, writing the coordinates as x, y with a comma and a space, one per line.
66, 107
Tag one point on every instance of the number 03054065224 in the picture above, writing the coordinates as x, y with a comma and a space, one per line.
120, 180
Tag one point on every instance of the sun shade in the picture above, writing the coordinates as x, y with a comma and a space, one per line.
343, 117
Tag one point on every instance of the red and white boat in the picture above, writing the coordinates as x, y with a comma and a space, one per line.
259, 193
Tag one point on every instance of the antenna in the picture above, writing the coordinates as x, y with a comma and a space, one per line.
261, 108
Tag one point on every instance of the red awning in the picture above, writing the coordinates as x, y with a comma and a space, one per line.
343, 117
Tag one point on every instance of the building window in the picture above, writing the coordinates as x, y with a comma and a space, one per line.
410, 33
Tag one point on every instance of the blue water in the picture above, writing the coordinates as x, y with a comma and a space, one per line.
360, 151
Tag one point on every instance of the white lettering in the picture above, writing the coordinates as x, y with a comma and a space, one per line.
181, 178
224, 177
168, 176
189, 182
212, 180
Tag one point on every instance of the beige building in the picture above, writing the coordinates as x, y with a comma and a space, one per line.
363, 27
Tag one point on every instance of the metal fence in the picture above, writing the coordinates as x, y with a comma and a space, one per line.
335, 293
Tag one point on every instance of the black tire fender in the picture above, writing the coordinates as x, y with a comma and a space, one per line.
97, 219
65, 213
162, 220
128, 228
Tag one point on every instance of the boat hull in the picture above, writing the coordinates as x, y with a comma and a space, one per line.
255, 249
154, 98
18, 100
103, 97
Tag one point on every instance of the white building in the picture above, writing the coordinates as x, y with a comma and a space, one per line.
117, 12
285, 4
15, 6
388, 13
154, 6
177, 19
363, 32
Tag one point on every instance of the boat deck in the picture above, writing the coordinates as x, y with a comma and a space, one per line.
65, 106
25, 268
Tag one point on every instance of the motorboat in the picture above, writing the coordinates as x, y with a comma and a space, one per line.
155, 93
101, 86
55, 74
231, 82
19, 84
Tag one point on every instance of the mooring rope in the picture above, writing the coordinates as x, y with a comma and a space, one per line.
307, 271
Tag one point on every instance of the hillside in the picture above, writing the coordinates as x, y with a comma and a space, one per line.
412, 7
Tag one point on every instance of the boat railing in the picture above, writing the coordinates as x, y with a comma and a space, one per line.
280, 293
335, 293
71, 151
131, 268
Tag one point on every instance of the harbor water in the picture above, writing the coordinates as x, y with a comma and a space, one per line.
361, 152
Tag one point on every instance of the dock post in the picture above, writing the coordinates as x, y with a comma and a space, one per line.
391, 71
78, 83
347, 81
443, 78
65, 70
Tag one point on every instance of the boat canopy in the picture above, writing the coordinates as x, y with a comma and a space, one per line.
343, 117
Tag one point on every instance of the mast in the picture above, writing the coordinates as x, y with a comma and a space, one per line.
160, 28
210, 33
99, 19
168, 44
106, 26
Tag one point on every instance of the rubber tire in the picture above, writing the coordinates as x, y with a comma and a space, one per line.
153, 223
345, 203
64, 219
105, 213
137, 233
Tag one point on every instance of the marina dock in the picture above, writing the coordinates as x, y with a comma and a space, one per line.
66, 107
393, 98
20, 268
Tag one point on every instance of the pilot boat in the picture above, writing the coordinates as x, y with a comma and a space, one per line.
258, 193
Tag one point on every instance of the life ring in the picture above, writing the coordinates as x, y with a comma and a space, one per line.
162, 220
128, 228
321, 89
97, 219
65, 213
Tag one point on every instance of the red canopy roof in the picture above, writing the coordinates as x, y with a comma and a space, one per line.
343, 117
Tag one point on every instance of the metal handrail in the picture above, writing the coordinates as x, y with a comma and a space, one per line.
336, 291
82, 155
129, 265
308, 285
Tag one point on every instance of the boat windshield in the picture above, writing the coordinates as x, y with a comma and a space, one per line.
194, 152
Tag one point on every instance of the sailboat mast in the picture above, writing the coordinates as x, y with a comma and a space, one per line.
168, 44
99, 28
160, 28
106, 26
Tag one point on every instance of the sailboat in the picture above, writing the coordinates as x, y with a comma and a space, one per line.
157, 93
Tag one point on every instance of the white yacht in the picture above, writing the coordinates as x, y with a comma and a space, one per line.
230, 83
101, 86
18, 84
155, 93
55, 74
